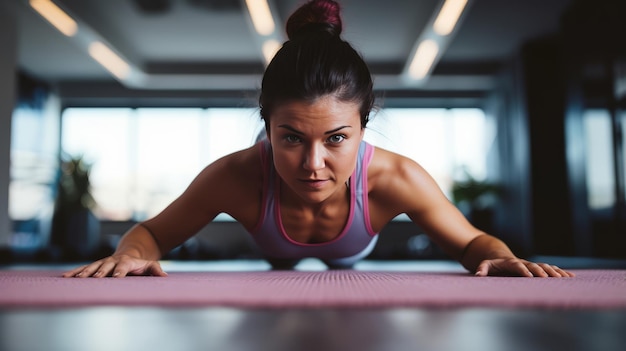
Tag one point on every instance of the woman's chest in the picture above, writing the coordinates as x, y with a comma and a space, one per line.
314, 227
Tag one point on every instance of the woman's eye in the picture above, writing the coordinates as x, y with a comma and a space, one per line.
337, 138
292, 138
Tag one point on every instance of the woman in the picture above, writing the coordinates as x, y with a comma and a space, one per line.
314, 188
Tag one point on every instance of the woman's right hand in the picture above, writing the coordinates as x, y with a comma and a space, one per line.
117, 266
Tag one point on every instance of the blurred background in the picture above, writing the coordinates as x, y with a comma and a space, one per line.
108, 109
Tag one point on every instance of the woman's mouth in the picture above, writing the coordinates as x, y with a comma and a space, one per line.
314, 183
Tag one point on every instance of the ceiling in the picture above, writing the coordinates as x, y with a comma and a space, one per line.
210, 45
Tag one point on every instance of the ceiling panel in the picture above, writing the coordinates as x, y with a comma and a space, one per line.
192, 42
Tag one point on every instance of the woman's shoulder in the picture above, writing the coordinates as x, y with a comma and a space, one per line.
238, 169
392, 173
384, 161
398, 184
233, 184
247, 161
389, 183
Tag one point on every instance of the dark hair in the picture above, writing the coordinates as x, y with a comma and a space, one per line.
315, 62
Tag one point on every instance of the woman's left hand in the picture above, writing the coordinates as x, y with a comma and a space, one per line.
519, 267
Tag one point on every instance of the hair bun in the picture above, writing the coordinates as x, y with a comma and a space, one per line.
314, 17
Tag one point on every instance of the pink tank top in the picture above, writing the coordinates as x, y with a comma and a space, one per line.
356, 240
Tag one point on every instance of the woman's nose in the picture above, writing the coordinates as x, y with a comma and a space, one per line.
314, 158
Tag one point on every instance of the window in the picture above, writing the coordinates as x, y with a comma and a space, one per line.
446, 142
599, 159
34, 149
622, 117
144, 158
34, 154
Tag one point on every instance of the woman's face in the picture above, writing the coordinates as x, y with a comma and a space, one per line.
315, 145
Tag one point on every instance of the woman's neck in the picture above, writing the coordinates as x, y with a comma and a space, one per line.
291, 200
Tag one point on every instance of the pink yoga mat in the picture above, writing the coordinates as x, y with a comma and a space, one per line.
343, 288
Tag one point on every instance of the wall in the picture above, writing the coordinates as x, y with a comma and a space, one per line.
8, 61
539, 104
507, 106
595, 47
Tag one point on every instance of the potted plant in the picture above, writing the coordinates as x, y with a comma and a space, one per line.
475, 199
75, 229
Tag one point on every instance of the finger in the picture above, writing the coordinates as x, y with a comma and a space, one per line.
483, 269
155, 269
509, 267
550, 270
121, 269
564, 273
72, 273
522, 268
105, 269
536, 270
88, 270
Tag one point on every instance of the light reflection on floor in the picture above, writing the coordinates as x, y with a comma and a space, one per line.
311, 264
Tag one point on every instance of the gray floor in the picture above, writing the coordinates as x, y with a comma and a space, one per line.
181, 329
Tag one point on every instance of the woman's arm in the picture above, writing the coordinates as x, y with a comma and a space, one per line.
227, 185
413, 191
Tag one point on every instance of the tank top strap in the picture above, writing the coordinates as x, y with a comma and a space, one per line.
366, 152
267, 195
